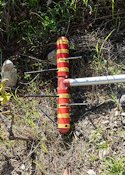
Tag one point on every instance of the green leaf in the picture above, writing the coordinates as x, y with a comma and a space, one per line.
4, 96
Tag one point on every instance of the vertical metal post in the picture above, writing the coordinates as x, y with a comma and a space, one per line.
63, 90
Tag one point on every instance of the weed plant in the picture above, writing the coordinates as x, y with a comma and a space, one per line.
114, 166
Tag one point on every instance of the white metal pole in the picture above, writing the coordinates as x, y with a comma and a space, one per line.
95, 80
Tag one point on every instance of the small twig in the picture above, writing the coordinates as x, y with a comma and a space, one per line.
34, 58
94, 107
31, 80
67, 30
48, 116
19, 138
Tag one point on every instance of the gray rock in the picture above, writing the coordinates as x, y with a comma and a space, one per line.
122, 101
91, 172
9, 73
22, 167
52, 57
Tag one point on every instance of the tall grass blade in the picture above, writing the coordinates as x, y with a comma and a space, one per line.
108, 36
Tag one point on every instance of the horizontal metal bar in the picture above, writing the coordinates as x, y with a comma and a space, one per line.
74, 104
39, 95
40, 71
95, 80
73, 58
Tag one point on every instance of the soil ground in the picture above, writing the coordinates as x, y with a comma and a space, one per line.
31, 144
